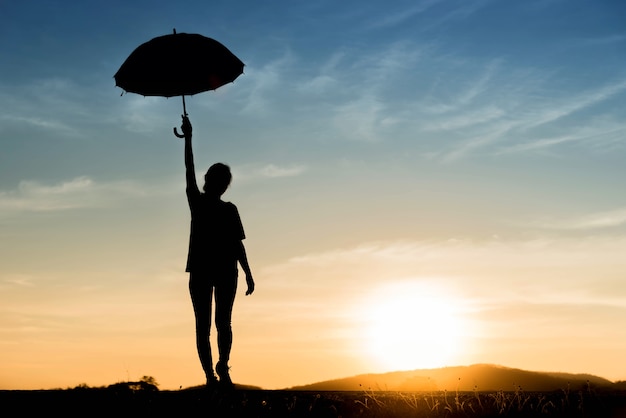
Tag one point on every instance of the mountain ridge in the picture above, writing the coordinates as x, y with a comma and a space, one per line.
480, 377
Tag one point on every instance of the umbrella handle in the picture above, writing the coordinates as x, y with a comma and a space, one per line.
177, 134
184, 113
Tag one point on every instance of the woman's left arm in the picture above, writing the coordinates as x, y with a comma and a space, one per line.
243, 261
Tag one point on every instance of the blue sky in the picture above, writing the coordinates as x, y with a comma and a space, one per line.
477, 147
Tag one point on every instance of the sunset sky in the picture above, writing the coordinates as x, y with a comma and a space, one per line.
422, 183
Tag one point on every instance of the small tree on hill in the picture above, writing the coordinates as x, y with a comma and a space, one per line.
149, 380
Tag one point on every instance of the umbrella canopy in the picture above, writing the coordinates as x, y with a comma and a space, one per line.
178, 64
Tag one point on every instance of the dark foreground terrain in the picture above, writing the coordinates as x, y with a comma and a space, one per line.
118, 402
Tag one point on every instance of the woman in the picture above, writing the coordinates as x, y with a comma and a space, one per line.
215, 248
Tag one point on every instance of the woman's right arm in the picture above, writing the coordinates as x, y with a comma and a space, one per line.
190, 171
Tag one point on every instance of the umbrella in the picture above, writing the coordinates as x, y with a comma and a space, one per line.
179, 64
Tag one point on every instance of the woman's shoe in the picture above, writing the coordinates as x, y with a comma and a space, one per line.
222, 371
211, 381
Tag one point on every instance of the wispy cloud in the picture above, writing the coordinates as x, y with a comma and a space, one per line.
49, 124
466, 105
598, 220
251, 173
475, 141
470, 118
263, 83
363, 108
80, 192
52, 107
360, 119
521, 121
553, 111
598, 135
19, 280
401, 16
141, 113
272, 170
606, 40
459, 12
325, 78
526, 269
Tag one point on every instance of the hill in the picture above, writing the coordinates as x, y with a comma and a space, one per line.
481, 377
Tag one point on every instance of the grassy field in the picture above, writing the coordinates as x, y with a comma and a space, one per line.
118, 401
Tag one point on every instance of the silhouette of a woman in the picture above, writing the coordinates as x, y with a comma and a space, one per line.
215, 248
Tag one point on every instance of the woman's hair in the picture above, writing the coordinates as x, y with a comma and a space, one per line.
217, 179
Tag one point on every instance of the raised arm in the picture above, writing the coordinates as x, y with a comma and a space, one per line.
190, 171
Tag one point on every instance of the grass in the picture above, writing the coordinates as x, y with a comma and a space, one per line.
515, 403
120, 400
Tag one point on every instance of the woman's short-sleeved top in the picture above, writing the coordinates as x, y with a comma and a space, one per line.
215, 236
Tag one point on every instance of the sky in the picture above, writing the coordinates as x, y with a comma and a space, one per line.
423, 183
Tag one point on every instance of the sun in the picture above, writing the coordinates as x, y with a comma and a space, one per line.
412, 325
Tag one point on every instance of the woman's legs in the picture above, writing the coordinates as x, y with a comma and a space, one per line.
224, 300
201, 292
201, 289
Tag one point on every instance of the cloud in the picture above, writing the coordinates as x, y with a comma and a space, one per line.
360, 119
477, 87
604, 133
263, 82
462, 105
474, 141
518, 118
19, 280
402, 16
468, 119
48, 124
551, 112
606, 40
271, 171
317, 85
554, 270
52, 108
77, 193
458, 13
141, 114
599, 220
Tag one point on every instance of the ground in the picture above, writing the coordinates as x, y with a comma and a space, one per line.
115, 401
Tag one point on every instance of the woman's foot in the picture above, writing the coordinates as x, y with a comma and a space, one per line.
211, 381
222, 371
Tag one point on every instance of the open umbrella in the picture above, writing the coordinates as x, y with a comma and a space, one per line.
179, 64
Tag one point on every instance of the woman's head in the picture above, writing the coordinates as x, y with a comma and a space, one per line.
217, 179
